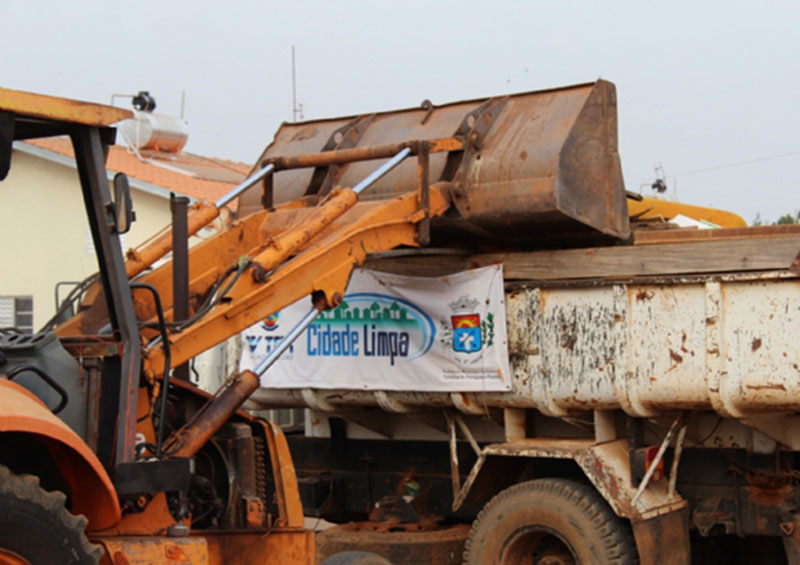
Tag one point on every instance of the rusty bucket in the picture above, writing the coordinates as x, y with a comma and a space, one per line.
533, 164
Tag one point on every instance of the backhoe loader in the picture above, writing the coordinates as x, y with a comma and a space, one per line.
103, 456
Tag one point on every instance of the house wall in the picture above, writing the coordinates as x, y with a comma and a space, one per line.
44, 232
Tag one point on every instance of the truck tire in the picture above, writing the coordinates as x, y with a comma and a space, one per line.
356, 558
35, 526
549, 522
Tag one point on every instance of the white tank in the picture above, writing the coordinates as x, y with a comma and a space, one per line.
155, 132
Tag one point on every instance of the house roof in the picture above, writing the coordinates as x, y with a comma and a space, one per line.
201, 178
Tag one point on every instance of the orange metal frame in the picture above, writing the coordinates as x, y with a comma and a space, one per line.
323, 263
303, 249
293, 251
60, 109
650, 208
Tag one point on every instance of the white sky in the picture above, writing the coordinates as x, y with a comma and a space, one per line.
699, 84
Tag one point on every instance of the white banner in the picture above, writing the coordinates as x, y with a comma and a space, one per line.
394, 332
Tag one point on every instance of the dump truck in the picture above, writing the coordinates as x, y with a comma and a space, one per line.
600, 451
654, 373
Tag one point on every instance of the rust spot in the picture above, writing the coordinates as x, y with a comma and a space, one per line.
769, 496
305, 133
711, 320
756, 345
683, 343
768, 386
523, 155
614, 486
675, 357
643, 295
618, 318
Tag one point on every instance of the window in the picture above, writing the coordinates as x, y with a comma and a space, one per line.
17, 312
123, 242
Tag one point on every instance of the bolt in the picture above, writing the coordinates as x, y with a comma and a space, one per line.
474, 140
337, 299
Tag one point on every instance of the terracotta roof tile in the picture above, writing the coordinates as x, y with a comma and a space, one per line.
206, 178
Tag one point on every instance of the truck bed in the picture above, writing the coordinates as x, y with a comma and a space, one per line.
680, 320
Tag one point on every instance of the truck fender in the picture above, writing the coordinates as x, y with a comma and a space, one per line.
658, 520
91, 490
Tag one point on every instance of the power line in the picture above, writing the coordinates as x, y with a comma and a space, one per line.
736, 164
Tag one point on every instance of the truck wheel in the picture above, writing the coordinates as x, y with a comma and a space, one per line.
356, 558
549, 522
35, 527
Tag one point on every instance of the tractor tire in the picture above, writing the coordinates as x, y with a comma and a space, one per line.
35, 526
549, 522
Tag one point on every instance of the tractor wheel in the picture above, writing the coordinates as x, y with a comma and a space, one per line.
35, 526
549, 522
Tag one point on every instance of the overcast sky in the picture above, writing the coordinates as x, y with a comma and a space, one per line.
700, 85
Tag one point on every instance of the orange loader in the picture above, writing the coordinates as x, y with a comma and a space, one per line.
106, 458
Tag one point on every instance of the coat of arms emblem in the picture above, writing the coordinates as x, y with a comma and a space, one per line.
467, 332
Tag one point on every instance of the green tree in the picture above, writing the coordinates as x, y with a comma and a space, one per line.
786, 219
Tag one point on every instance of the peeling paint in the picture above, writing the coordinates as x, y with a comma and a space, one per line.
675, 357
644, 348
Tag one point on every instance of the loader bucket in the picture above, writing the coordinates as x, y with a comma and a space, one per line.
534, 164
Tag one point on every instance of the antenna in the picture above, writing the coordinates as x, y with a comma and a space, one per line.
297, 109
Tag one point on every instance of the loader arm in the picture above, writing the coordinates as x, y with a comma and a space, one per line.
274, 257
323, 264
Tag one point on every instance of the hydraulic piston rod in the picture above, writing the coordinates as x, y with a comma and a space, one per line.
188, 440
201, 214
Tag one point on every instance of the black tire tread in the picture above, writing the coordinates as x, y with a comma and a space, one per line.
26, 487
616, 535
